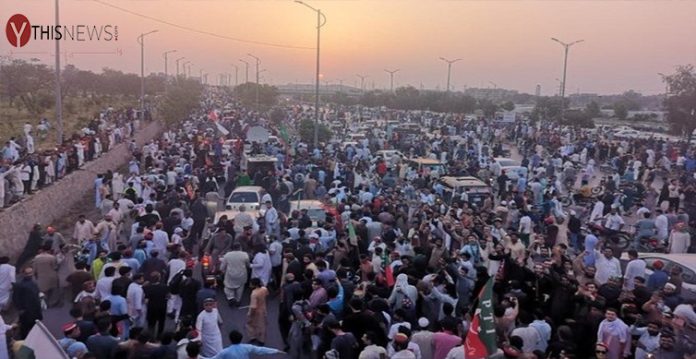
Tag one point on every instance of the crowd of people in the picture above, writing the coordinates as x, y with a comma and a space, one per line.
394, 270
24, 168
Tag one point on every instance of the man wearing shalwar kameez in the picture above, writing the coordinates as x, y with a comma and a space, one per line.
208, 327
613, 333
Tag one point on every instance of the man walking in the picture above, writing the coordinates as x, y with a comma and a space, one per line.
234, 265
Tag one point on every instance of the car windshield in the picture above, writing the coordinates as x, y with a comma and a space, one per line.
508, 163
243, 197
316, 214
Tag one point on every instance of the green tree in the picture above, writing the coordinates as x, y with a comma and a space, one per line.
181, 99
508, 106
248, 92
488, 107
549, 108
592, 110
620, 110
306, 131
681, 100
577, 118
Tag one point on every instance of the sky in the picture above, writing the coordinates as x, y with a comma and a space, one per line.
506, 43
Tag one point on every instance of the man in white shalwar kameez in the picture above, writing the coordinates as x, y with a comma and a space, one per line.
234, 265
208, 327
7, 278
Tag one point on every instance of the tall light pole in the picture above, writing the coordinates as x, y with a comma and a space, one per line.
200, 71
177, 65
141, 40
321, 21
59, 96
566, 46
187, 65
258, 61
391, 77
362, 82
495, 85
246, 68
166, 62
449, 69
236, 74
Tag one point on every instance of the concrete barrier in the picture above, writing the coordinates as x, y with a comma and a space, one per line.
52, 202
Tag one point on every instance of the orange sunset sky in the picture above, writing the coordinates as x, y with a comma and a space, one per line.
506, 42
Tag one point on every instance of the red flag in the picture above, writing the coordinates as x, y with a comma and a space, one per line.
212, 116
480, 342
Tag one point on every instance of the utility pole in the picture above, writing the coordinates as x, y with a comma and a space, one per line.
59, 96
166, 73
566, 46
362, 82
177, 65
391, 76
449, 69
141, 39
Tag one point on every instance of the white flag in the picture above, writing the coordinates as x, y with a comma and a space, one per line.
42, 342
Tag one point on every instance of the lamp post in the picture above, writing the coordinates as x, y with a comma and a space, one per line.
495, 85
236, 74
187, 65
177, 65
449, 69
362, 82
166, 73
566, 46
59, 96
258, 61
200, 71
321, 21
246, 68
391, 77
141, 40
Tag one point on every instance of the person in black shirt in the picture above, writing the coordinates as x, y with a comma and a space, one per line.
120, 285
344, 343
156, 294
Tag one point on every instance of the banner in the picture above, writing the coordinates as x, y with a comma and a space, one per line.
351, 235
480, 342
43, 343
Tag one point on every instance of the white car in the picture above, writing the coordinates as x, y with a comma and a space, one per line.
512, 168
249, 196
687, 262
388, 155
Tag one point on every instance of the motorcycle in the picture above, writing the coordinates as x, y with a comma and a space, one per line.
621, 239
651, 245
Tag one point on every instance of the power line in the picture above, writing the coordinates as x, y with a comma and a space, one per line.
182, 27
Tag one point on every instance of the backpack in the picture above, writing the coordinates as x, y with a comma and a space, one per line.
175, 283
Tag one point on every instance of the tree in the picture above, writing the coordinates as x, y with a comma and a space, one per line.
577, 118
181, 99
549, 108
681, 100
306, 131
620, 110
508, 106
247, 93
592, 110
488, 107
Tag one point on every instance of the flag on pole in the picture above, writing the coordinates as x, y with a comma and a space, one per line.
283, 132
480, 342
351, 234
42, 342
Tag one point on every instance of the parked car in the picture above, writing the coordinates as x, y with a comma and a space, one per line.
512, 168
477, 190
250, 196
687, 263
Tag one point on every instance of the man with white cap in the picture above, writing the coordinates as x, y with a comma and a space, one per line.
423, 338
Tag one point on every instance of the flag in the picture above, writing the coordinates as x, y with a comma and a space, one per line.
43, 343
213, 116
222, 129
283, 132
351, 234
480, 342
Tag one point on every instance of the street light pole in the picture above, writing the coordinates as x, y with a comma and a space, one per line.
566, 46
258, 61
362, 82
59, 96
177, 65
141, 40
236, 74
449, 69
320, 17
187, 65
200, 71
391, 76
166, 73
246, 67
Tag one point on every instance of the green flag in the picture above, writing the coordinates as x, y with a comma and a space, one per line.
351, 235
480, 342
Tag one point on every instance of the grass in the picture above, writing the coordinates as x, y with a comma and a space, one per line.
77, 112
